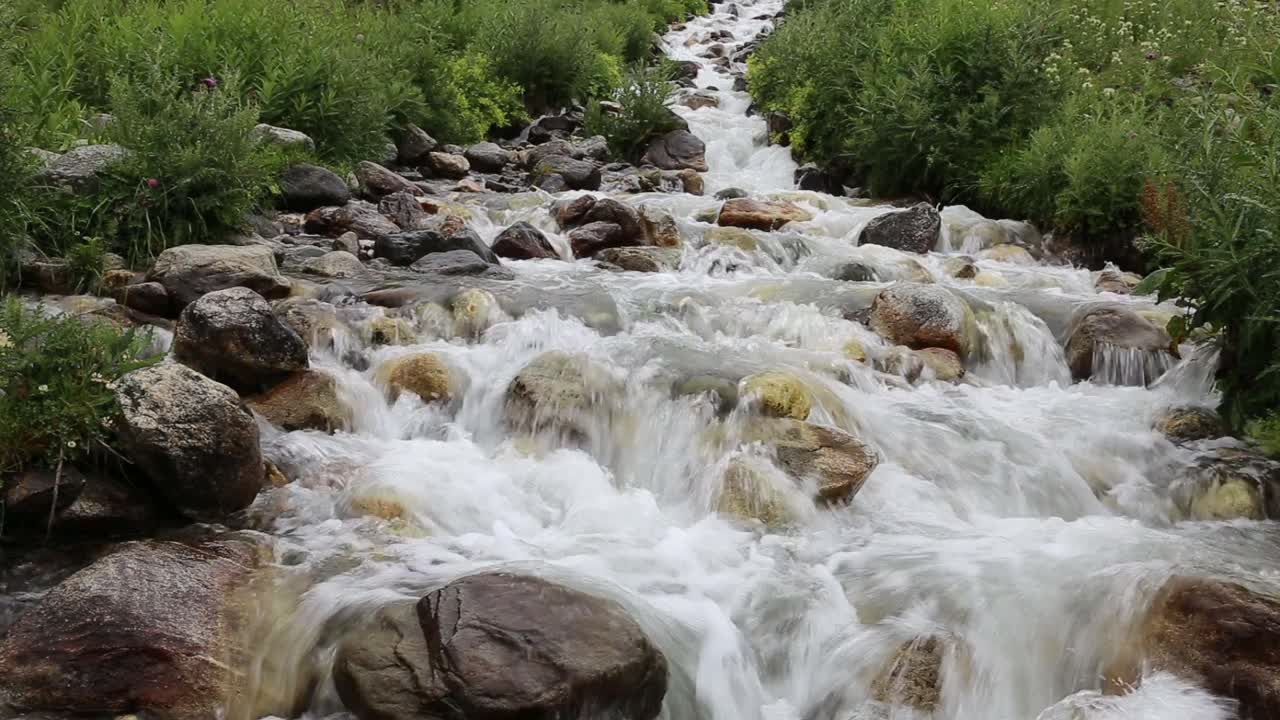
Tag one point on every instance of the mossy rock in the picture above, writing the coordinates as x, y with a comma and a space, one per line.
426, 375
779, 394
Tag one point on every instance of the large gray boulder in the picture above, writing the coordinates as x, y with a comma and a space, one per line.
283, 137
375, 181
924, 316
192, 438
915, 229
153, 628
408, 247
677, 150
304, 188
501, 646
413, 145
487, 157
79, 168
359, 217
452, 262
576, 174
189, 271
232, 336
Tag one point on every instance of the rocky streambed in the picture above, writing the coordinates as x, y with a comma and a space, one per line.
505, 431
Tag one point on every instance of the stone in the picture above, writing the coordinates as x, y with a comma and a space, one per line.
1113, 281
79, 168
232, 336
641, 259
855, 272
1096, 328
107, 507
658, 228
448, 165
406, 248
1218, 635
487, 157
722, 391
923, 316
838, 462
452, 655
306, 400
914, 676
376, 181
732, 237
779, 124
916, 229
413, 145
747, 494
405, 211
335, 264
731, 194
961, 267
358, 217
552, 184
593, 237
576, 174
451, 262
149, 298
32, 492
193, 439
778, 394
188, 272
945, 364
315, 321
1182, 424
282, 137
760, 214
385, 330
692, 183
1228, 480
677, 150
304, 188
571, 213
700, 99
154, 628
347, 242
474, 311
1012, 254
522, 241
426, 375
559, 391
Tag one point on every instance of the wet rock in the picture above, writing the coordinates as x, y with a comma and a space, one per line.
1182, 424
593, 237
855, 272
747, 494
700, 99
358, 217
315, 321
914, 676
838, 462
193, 439
188, 272
1221, 636
559, 391
658, 228
553, 184
779, 124
813, 178
78, 169
283, 137
1013, 254
779, 394
677, 150
423, 374
916, 229
153, 628
448, 165
413, 145
731, 194
376, 181
408, 247
961, 267
306, 400
760, 214
385, 330
722, 390
685, 71
487, 157
855, 350
923, 316
1101, 327
304, 188
147, 297
576, 174
452, 262
641, 259
945, 364
405, 211
474, 311
1114, 281
233, 336
571, 213
107, 507
347, 242
452, 656
522, 241
32, 492
732, 237
1228, 481
335, 264
692, 183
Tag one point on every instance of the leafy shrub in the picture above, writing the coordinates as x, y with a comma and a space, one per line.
15, 171
57, 376
1266, 432
644, 114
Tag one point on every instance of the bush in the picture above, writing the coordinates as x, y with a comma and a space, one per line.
644, 114
16, 167
58, 374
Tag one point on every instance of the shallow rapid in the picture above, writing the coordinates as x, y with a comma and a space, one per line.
1024, 519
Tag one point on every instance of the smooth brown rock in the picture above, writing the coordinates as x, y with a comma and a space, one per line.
306, 400
922, 316
1104, 327
760, 214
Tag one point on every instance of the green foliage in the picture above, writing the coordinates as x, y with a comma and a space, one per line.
1266, 432
57, 376
644, 114
16, 166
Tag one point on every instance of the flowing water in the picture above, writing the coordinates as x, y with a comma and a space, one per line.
1022, 519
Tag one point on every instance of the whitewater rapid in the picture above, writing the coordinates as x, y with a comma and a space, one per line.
1025, 519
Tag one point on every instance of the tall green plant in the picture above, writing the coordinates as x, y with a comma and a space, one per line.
641, 115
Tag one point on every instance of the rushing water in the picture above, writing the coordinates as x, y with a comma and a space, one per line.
1023, 519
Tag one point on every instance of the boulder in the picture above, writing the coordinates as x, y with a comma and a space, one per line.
454, 655
193, 439
559, 391
451, 262
779, 394
732, 237
79, 168
29, 493
188, 272
914, 676
1096, 328
1182, 424
1229, 480
232, 336
576, 174
153, 628
571, 213
335, 264
760, 214
923, 316
1013, 254
487, 157
107, 507
1219, 635
407, 247
315, 321
283, 137
961, 267
306, 400
385, 330
423, 374
304, 188
916, 229
836, 461
641, 259
474, 311
522, 241
358, 217
375, 181
149, 298
591, 238
945, 364
677, 150
413, 145
347, 242
1114, 281
405, 211
448, 165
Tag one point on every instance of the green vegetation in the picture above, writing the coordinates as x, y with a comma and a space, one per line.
57, 380
1108, 120
186, 81
642, 115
